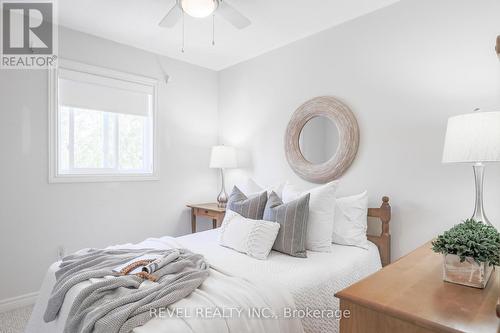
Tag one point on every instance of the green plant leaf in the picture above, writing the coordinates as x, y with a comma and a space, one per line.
470, 239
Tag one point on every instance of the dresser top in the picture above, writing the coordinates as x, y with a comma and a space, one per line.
413, 290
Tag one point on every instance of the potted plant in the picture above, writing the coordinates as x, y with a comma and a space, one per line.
470, 251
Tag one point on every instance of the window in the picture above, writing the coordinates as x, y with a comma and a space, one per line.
102, 125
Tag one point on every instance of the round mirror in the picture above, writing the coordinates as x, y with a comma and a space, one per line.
319, 140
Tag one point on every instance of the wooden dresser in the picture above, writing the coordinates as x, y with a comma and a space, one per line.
410, 296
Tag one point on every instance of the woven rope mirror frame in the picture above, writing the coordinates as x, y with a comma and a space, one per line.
348, 130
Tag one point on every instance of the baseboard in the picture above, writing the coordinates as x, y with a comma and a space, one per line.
17, 302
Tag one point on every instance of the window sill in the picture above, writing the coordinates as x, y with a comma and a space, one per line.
102, 178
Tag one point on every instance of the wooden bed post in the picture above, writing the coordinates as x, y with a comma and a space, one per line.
383, 241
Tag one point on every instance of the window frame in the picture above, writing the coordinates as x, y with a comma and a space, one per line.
53, 126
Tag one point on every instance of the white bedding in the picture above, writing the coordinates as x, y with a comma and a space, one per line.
312, 281
279, 282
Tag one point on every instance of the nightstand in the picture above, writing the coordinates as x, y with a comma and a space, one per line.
208, 210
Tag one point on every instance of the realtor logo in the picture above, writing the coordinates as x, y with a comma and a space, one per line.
28, 35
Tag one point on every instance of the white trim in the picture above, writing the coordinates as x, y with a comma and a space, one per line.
14, 303
102, 178
54, 176
52, 125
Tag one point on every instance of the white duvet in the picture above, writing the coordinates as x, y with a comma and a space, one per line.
246, 291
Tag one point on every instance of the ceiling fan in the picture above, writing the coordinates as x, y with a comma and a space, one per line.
204, 8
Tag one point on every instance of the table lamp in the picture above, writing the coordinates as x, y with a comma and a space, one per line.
223, 157
474, 138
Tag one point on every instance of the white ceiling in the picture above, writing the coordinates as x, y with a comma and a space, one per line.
274, 24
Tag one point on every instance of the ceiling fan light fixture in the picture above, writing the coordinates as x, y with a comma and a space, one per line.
199, 8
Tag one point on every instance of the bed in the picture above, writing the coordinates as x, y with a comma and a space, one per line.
287, 286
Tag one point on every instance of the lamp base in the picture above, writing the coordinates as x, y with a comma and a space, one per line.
479, 214
222, 197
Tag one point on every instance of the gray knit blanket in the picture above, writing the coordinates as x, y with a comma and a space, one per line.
116, 303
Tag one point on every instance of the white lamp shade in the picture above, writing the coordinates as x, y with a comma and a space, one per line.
473, 137
223, 157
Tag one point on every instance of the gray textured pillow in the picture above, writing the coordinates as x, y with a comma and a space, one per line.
251, 208
292, 218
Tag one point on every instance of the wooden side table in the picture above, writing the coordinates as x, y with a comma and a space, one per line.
411, 296
209, 210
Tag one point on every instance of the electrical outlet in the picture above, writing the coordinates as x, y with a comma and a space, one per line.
60, 252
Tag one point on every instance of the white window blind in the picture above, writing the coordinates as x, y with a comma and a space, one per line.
92, 92
104, 126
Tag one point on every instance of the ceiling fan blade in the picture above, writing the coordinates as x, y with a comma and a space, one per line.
233, 16
173, 16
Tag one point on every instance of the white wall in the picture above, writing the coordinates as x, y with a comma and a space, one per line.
36, 217
403, 70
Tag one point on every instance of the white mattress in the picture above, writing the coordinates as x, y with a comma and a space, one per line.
312, 281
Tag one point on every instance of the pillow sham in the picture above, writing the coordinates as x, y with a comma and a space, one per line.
252, 237
351, 221
252, 208
251, 188
321, 214
293, 219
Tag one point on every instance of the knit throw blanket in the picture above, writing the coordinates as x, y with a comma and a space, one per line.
116, 303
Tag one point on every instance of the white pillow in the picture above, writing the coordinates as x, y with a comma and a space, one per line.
321, 214
251, 188
351, 221
252, 237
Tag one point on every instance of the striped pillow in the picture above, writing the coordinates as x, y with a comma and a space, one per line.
292, 218
251, 208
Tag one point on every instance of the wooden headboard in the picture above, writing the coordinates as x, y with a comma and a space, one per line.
383, 241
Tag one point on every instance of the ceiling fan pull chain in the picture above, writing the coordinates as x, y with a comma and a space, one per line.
213, 30
183, 34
